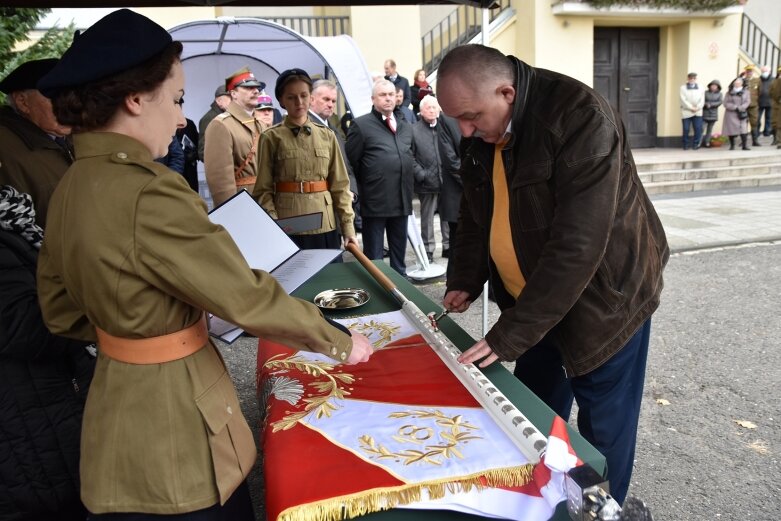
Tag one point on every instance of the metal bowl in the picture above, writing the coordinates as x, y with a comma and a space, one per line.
346, 298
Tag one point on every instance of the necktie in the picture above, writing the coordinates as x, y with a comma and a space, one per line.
390, 124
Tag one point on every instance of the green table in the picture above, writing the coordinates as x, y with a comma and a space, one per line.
353, 275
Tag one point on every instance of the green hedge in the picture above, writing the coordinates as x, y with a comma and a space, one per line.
689, 5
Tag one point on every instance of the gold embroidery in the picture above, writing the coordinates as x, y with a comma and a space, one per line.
385, 331
455, 432
327, 390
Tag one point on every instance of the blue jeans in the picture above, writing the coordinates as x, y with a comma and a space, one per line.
608, 399
768, 120
687, 123
375, 228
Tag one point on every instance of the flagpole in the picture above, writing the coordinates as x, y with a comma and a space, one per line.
507, 416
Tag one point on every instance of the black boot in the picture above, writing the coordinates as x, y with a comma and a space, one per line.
744, 141
754, 139
732, 142
775, 137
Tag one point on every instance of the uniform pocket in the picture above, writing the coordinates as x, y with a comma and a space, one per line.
230, 438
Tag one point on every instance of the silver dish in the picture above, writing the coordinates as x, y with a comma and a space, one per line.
346, 298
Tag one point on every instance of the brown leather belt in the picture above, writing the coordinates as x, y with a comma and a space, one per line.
157, 349
302, 187
246, 181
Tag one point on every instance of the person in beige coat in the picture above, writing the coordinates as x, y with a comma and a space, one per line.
230, 154
301, 169
130, 259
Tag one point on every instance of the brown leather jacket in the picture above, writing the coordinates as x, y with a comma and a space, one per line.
588, 240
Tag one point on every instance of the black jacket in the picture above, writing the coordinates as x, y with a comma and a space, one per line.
428, 165
43, 386
588, 241
402, 82
450, 192
383, 165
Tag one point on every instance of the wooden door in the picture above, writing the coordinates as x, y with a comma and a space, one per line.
626, 72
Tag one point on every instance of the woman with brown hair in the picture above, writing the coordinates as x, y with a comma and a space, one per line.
419, 90
131, 260
301, 170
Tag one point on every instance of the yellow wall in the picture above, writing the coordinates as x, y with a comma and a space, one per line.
388, 32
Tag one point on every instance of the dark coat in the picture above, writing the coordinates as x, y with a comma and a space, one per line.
43, 386
190, 149
452, 186
30, 160
383, 165
207, 118
428, 165
402, 82
588, 241
713, 100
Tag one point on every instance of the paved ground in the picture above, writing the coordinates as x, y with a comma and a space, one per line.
708, 446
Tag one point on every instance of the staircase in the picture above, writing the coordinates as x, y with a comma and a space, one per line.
673, 171
758, 46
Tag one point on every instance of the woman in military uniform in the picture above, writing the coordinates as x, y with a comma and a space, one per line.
301, 170
130, 259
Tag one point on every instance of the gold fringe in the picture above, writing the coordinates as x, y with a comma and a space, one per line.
376, 500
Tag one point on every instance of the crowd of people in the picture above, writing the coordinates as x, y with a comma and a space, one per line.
751, 104
105, 241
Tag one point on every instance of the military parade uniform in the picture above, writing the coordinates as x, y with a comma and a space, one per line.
301, 172
230, 153
754, 85
775, 101
164, 436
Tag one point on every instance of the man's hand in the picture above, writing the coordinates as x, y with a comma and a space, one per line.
480, 350
362, 349
348, 240
457, 301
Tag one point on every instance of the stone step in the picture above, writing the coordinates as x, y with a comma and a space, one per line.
711, 159
711, 172
721, 183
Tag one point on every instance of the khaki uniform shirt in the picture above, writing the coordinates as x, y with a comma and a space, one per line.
229, 139
30, 160
313, 155
130, 249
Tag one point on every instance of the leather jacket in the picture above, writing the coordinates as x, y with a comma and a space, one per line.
589, 243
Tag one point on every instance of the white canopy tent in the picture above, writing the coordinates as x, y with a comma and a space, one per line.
213, 49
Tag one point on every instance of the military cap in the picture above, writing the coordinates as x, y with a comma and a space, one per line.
243, 78
264, 102
117, 42
220, 91
287, 76
748, 67
26, 76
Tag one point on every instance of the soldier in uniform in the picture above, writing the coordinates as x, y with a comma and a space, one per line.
302, 170
230, 153
775, 101
131, 259
754, 84
34, 153
221, 101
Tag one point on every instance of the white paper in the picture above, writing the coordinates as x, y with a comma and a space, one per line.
265, 246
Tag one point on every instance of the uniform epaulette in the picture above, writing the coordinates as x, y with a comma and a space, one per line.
224, 115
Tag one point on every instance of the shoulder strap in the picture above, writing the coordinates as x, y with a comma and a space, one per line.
250, 155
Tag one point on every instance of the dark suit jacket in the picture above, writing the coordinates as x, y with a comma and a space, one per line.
402, 82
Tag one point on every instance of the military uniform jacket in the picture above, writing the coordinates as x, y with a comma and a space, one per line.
30, 160
130, 249
229, 139
289, 153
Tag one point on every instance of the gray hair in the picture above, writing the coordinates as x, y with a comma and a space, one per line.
382, 84
429, 100
323, 84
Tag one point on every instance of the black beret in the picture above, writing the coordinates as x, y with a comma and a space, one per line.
286, 76
117, 42
26, 76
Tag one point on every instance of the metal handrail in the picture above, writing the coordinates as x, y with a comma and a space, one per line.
457, 28
314, 25
757, 45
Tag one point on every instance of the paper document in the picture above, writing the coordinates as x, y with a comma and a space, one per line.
267, 247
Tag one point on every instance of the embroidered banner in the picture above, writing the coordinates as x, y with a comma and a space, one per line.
399, 431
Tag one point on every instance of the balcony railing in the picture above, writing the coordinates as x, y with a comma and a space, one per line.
315, 25
460, 26
757, 45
